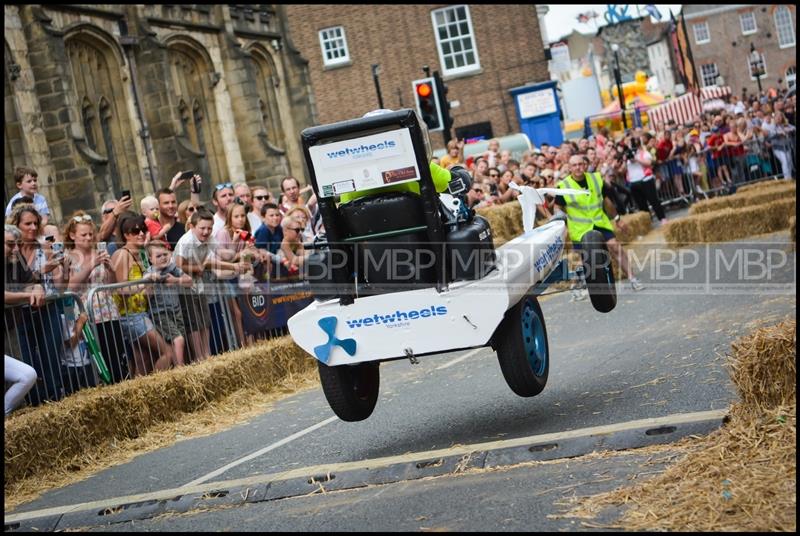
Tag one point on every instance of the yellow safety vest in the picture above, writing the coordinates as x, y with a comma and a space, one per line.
585, 212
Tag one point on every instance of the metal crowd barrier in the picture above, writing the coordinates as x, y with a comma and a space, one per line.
40, 337
716, 168
133, 354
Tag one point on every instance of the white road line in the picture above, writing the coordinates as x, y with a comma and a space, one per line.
459, 359
374, 463
258, 453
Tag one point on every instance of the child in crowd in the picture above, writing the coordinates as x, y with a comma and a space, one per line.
27, 182
165, 309
270, 235
149, 208
75, 359
292, 252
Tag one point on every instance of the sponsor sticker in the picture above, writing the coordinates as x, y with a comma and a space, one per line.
399, 175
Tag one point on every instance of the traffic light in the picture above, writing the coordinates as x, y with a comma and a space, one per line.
427, 97
444, 106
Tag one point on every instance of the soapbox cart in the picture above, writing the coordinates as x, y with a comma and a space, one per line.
405, 272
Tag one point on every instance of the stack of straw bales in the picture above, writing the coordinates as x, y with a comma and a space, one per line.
734, 223
506, 223
775, 192
55, 435
759, 185
740, 478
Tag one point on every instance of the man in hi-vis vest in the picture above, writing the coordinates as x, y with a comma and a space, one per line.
592, 212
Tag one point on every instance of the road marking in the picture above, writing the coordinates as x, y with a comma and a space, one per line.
680, 418
459, 359
258, 453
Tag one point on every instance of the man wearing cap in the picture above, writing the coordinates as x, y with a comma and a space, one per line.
593, 212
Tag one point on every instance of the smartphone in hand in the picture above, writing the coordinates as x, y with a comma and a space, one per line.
125, 193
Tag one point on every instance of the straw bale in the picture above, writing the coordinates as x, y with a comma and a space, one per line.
775, 192
792, 229
638, 224
764, 366
682, 232
505, 221
758, 185
53, 434
732, 224
742, 477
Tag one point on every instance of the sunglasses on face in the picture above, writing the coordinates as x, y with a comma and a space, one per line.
261, 197
108, 211
219, 187
136, 231
493, 175
477, 190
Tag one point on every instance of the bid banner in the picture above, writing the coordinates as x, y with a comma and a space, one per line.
269, 305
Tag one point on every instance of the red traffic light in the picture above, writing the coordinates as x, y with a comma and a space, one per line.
424, 90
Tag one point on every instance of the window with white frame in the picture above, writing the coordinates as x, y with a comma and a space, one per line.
701, 33
748, 22
784, 26
334, 46
791, 77
710, 73
455, 40
759, 65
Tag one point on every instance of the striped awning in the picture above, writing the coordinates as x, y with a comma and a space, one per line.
688, 106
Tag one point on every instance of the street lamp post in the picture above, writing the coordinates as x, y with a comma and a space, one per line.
615, 48
376, 69
756, 66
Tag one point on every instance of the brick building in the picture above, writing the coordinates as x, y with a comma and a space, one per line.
721, 35
481, 51
99, 99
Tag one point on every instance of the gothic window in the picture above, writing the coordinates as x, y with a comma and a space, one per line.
267, 82
192, 86
100, 95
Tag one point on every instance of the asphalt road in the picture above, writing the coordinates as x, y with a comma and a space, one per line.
660, 352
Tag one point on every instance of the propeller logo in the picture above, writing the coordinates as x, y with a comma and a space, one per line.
323, 352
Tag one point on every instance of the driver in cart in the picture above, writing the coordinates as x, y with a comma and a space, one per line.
592, 212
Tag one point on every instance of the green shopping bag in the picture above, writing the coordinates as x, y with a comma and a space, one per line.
94, 349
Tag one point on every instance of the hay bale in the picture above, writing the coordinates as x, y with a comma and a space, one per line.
733, 224
638, 224
758, 185
52, 435
776, 192
683, 232
505, 220
739, 478
792, 230
764, 367
730, 224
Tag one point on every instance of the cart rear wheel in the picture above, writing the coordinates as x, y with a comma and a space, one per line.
522, 348
351, 390
599, 272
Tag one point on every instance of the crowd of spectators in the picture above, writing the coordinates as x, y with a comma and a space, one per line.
192, 259
744, 139
245, 233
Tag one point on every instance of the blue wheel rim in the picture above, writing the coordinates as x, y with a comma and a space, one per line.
534, 340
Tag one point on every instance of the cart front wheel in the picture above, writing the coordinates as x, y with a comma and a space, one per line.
522, 349
351, 390
599, 272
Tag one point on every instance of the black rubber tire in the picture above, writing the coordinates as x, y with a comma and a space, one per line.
351, 390
514, 342
599, 272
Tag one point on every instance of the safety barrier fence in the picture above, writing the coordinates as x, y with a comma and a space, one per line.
695, 175
129, 329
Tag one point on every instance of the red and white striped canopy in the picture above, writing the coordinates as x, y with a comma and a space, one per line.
686, 107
